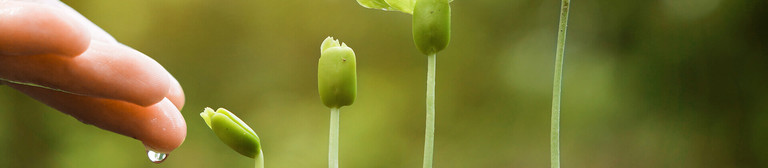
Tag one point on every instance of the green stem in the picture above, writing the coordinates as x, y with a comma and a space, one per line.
260, 160
429, 134
333, 145
557, 86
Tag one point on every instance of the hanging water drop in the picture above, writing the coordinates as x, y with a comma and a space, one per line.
156, 157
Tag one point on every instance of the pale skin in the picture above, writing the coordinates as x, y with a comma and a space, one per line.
96, 79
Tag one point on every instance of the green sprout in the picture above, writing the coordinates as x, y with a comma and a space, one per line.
235, 133
431, 25
431, 34
337, 84
336, 75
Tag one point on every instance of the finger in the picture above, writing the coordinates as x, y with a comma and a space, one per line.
160, 127
112, 71
175, 93
30, 28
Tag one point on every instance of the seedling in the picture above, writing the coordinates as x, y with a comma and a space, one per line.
431, 33
337, 84
235, 133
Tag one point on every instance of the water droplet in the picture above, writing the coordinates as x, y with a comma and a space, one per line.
156, 157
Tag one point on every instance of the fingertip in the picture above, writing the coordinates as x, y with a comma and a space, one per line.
176, 93
166, 134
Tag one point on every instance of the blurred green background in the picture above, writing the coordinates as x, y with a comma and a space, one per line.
659, 83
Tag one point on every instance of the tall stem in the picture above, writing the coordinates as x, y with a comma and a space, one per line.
429, 134
557, 85
333, 141
260, 160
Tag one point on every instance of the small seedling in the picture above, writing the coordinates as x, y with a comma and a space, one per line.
337, 84
235, 133
431, 33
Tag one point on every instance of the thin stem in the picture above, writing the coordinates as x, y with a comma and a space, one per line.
557, 85
429, 134
260, 160
333, 145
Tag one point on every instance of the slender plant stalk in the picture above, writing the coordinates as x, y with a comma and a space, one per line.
333, 146
557, 85
260, 160
429, 134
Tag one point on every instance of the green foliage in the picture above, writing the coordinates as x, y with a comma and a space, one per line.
402, 5
336, 74
232, 131
405, 6
375, 4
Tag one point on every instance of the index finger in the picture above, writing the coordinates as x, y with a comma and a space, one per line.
28, 28
160, 126
105, 70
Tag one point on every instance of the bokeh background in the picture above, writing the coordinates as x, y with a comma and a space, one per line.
657, 83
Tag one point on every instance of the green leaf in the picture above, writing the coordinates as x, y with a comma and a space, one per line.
375, 4
232, 131
402, 5
405, 6
237, 120
207, 114
328, 43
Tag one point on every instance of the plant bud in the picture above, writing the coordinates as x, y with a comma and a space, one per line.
232, 131
336, 74
431, 25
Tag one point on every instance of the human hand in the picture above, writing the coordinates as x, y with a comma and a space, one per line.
58, 57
